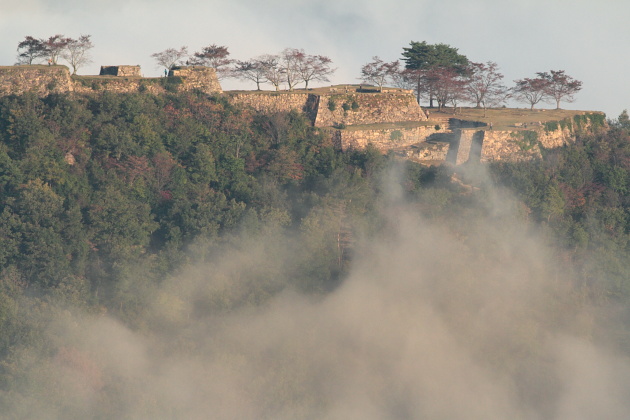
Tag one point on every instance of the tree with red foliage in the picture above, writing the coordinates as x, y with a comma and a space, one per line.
215, 56
378, 71
55, 45
560, 86
531, 90
484, 85
446, 85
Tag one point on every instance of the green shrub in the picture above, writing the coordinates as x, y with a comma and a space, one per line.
597, 120
332, 105
355, 105
525, 140
437, 127
346, 106
551, 126
396, 135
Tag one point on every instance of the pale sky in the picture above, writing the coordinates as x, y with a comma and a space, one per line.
588, 39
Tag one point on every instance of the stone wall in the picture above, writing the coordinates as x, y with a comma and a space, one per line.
464, 146
511, 146
384, 139
199, 78
428, 152
273, 102
96, 84
121, 71
367, 108
42, 80
348, 108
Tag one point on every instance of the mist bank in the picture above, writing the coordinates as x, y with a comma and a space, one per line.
435, 318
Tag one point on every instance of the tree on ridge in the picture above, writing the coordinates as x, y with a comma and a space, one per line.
422, 57
378, 71
560, 87
215, 56
531, 91
170, 57
484, 85
76, 52
31, 50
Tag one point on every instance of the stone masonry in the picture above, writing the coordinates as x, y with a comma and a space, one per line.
121, 71
384, 139
42, 80
199, 78
367, 108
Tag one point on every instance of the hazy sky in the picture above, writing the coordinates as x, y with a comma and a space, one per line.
585, 38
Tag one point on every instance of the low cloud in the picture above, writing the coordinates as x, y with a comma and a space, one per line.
466, 318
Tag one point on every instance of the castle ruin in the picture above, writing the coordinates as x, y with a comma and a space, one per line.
391, 120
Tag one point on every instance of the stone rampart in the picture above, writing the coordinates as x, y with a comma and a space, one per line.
121, 71
367, 108
203, 79
384, 139
272, 102
95, 84
428, 152
464, 146
42, 80
508, 146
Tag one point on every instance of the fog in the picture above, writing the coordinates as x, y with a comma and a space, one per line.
461, 319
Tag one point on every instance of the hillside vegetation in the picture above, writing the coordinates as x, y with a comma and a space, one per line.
107, 201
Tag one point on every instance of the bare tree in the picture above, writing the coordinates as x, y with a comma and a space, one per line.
254, 70
378, 72
560, 87
170, 57
77, 53
404, 78
215, 56
31, 50
290, 59
274, 70
531, 91
314, 67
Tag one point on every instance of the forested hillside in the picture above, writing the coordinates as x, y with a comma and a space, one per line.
162, 220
